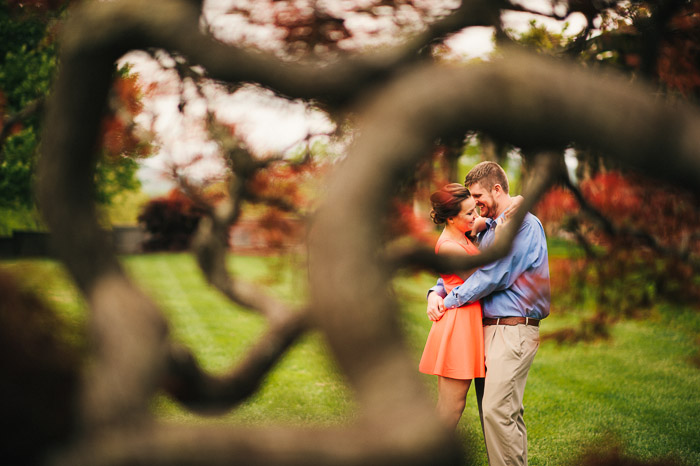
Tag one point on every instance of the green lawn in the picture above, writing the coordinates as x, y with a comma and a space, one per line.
640, 388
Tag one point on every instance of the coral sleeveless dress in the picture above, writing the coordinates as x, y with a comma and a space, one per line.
455, 346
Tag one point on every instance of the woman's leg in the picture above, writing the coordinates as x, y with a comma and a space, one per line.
452, 396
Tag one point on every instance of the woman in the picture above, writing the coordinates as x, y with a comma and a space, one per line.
454, 350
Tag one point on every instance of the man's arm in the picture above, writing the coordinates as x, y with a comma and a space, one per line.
439, 288
436, 306
502, 273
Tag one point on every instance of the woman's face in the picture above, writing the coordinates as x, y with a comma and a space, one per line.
464, 220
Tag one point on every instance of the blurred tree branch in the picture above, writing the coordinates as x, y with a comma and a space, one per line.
187, 383
545, 172
404, 104
682, 253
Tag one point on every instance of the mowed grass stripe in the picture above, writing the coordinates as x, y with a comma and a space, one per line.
640, 387
305, 385
217, 331
187, 322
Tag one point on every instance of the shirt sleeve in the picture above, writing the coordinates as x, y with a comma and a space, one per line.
439, 288
499, 275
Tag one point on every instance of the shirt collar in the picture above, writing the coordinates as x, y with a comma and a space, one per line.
491, 222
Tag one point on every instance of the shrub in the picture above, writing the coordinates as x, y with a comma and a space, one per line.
170, 221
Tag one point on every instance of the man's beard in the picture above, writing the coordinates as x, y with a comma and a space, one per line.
487, 211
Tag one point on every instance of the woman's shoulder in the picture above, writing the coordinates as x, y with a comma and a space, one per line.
450, 246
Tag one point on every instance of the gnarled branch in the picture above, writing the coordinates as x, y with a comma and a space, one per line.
186, 382
544, 173
405, 110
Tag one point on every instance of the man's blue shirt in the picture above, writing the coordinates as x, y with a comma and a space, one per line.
515, 285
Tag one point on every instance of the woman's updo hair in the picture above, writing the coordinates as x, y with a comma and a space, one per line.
447, 202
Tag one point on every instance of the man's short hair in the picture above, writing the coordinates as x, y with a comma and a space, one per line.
488, 174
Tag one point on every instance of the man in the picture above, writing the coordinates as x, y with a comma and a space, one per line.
515, 296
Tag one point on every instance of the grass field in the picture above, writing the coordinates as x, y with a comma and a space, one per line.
640, 388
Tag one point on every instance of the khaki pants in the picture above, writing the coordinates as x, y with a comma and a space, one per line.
509, 353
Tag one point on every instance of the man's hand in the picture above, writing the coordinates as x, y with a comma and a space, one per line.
436, 307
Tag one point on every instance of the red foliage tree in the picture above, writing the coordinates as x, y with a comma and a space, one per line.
171, 221
678, 65
629, 263
119, 132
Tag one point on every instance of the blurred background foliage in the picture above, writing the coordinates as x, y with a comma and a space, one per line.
28, 61
622, 248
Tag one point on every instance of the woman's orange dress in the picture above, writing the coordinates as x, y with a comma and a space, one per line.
455, 346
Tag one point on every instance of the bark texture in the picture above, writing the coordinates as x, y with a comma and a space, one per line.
403, 104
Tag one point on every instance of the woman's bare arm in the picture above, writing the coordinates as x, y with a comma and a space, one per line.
453, 249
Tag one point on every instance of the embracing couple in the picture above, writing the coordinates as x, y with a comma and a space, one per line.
486, 322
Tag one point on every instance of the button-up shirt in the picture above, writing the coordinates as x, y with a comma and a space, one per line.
515, 285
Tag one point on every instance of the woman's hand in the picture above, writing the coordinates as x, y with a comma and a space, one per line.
436, 307
501, 222
479, 225
513, 207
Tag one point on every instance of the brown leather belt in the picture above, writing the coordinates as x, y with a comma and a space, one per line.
511, 321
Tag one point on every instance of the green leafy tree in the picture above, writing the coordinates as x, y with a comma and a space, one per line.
28, 61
